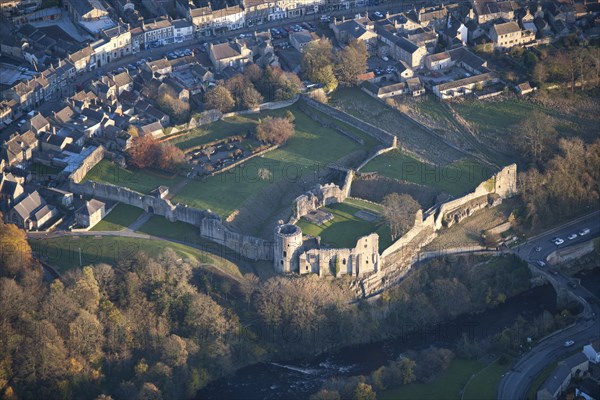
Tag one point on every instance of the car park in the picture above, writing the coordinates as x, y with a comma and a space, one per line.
584, 231
569, 343
572, 236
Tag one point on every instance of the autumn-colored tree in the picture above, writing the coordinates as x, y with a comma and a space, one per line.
15, 252
317, 64
133, 131
351, 62
274, 130
243, 91
219, 98
277, 85
144, 151
363, 391
170, 157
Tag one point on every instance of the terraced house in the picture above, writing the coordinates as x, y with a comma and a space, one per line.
115, 44
158, 32
228, 19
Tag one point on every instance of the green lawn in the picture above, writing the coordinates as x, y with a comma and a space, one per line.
143, 181
181, 231
119, 218
346, 228
309, 152
63, 252
311, 149
484, 386
494, 116
161, 227
457, 178
446, 386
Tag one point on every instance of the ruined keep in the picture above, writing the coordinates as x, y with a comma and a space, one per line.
358, 261
288, 244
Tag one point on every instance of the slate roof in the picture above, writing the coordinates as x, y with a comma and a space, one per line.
90, 207
29, 204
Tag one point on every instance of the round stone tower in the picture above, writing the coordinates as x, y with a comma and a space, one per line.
288, 242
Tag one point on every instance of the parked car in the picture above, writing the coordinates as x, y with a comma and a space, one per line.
572, 236
584, 231
558, 241
537, 249
553, 271
541, 263
572, 284
569, 343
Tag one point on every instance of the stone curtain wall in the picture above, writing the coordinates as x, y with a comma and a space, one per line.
274, 105
322, 195
209, 224
88, 163
384, 137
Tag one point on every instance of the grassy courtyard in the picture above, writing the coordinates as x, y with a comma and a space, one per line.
345, 228
119, 218
305, 155
143, 181
63, 252
457, 178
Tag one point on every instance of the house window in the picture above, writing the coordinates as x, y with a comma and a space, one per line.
284, 254
344, 261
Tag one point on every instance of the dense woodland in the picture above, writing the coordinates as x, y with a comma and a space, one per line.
162, 328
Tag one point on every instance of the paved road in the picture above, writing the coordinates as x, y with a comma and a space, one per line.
516, 383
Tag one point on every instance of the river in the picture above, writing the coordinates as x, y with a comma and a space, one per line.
300, 378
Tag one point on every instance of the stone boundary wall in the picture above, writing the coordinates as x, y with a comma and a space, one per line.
209, 223
502, 184
273, 105
88, 163
382, 136
305, 109
570, 253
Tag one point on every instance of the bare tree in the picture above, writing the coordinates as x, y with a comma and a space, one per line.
399, 211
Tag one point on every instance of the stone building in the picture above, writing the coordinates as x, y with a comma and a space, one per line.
288, 244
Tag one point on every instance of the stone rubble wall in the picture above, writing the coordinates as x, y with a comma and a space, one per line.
88, 163
209, 223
